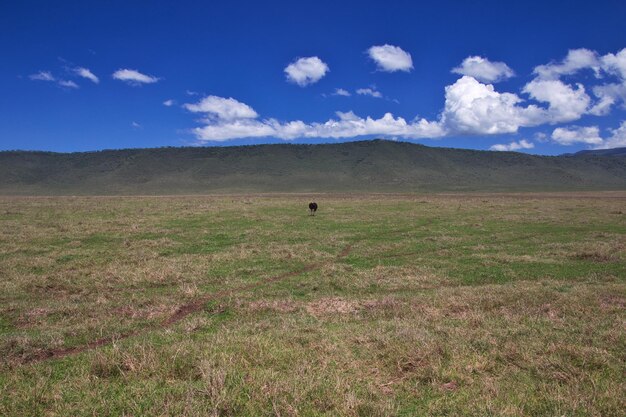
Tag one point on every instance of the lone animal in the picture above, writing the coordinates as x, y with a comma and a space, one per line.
313, 208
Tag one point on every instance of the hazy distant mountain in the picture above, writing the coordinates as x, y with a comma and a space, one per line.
604, 152
346, 167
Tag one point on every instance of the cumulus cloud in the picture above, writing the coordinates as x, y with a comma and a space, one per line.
476, 108
513, 146
42, 76
85, 73
565, 103
222, 108
168, 103
68, 84
341, 92
484, 70
472, 107
391, 58
134, 77
369, 92
305, 71
577, 134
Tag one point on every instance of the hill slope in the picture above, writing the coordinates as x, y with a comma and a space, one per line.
357, 166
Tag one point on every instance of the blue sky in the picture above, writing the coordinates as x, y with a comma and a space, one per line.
544, 77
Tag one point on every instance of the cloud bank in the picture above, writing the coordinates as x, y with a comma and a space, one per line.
227, 118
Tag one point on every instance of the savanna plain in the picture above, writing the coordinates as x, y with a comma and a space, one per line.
379, 305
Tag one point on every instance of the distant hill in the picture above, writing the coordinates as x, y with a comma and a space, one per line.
376, 166
604, 152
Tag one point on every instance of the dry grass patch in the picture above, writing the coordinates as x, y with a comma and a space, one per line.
331, 305
394, 278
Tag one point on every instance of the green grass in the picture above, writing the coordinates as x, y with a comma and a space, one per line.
444, 305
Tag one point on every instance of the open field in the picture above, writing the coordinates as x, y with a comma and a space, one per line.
378, 305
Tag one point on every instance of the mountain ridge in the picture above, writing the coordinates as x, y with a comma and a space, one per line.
361, 166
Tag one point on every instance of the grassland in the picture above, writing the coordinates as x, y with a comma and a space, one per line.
378, 305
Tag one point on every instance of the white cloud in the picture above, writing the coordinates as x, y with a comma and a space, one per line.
134, 77
590, 135
513, 146
576, 60
233, 119
136, 125
68, 84
168, 103
42, 76
347, 125
610, 64
341, 92
391, 58
484, 70
615, 63
369, 92
85, 73
233, 129
608, 95
476, 108
47, 76
471, 107
617, 138
222, 108
577, 134
305, 71
612, 92
564, 102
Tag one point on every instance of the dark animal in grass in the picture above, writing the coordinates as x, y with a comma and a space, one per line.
313, 208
